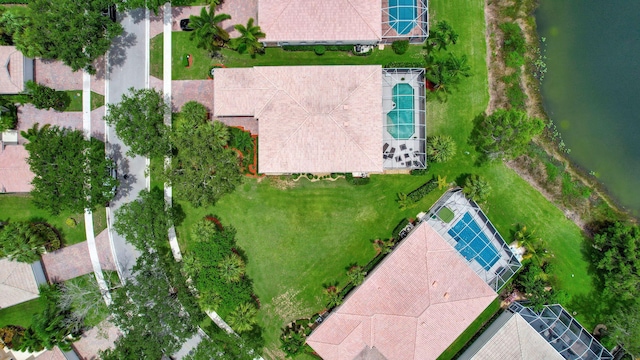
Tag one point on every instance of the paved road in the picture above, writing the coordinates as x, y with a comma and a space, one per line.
128, 68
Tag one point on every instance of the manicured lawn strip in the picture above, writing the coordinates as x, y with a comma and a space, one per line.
298, 238
468, 334
99, 220
97, 100
182, 44
20, 207
156, 163
21, 314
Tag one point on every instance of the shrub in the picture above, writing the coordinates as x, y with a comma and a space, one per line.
399, 227
419, 172
476, 188
292, 339
71, 222
8, 117
185, 60
334, 175
312, 47
319, 49
405, 64
417, 194
356, 180
44, 97
400, 46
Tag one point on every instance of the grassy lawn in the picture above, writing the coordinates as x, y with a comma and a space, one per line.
299, 235
97, 100
21, 314
99, 220
20, 207
181, 45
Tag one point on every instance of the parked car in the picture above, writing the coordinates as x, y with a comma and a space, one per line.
184, 25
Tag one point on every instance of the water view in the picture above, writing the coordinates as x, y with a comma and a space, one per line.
592, 88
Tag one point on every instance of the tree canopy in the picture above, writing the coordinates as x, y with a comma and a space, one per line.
249, 39
145, 222
75, 32
154, 310
505, 133
25, 241
71, 173
225, 346
139, 121
202, 168
208, 32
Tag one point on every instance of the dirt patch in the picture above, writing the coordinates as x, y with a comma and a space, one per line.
286, 306
282, 183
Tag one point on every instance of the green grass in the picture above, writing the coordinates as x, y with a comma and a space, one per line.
97, 100
468, 334
301, 237
20, 207
21, 314
202, 62
155, 165
445, 214
99, 220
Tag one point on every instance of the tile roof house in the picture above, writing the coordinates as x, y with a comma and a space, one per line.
15, 174
15, 70
510, 337
310, 21
312, 119
17, 283
412, 306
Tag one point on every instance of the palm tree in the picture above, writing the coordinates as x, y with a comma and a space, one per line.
248, 39
356, 274
242, 141
21, 241
440, 148
476, 188
232, 268
534, 245
383, 246
35, 131
442, 182
243, 317
403, 201
221, 134
333, 294
207, 30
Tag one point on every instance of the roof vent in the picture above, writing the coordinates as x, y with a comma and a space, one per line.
434, 284
446, 295
345, 107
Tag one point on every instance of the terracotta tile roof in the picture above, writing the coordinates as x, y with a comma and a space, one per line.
11, 70
53, 354
328, 20
413, 306
17, 283
15, 175
311, 118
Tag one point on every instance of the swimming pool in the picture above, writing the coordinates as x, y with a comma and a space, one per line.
402, 15
472, 242
400, 120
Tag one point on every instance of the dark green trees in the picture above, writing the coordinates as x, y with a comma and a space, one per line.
505, 133
71, 173
75, 32
44, 97
139, 121
249, 39
208, 32
25, 241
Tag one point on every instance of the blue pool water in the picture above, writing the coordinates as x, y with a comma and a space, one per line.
400, 119
402, 15
473, 243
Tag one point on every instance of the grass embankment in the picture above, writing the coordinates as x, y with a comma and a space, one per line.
97, 100
202, 62
21, 208
299, 237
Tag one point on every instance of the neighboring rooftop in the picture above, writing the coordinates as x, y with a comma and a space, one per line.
12, 70
510, 337
15, 174
563, 332
312, 119
295, 21
412, 306
17, 283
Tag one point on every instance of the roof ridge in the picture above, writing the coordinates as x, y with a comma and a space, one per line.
11, 274
278, 16
363, 19
342, 128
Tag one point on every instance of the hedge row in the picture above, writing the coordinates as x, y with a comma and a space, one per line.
402, 64
418, 172
9, 2
313, 47
417, 194
356, 180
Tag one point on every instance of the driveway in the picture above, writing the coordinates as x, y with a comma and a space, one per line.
28, 115
59, 76
73, 261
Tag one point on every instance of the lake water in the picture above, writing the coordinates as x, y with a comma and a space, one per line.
592, 87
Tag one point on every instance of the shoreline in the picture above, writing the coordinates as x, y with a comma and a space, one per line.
550, 141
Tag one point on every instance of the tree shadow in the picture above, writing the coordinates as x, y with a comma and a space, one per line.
137, 15
125, 180
118, 51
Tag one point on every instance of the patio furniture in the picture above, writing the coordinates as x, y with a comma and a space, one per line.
385, 147
406, 156
403, 147
398, 158
392, 151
